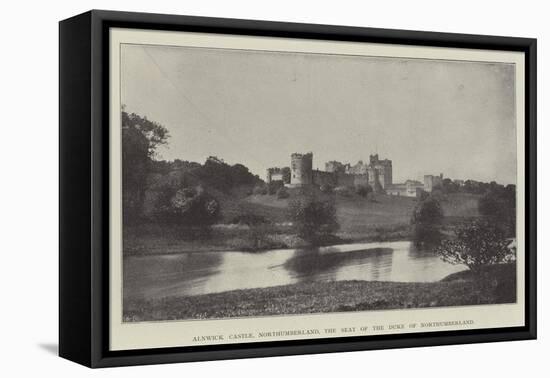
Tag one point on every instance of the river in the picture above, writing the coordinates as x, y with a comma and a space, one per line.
195, 273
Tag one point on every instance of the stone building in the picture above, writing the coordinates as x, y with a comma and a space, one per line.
410, 188
377, 174
431, 181
336, 167
278, 174
381, 169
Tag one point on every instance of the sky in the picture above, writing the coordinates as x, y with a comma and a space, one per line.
258, 107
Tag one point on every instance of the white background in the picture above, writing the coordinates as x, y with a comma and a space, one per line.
29, 188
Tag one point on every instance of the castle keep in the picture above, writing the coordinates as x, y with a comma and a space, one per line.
377, 173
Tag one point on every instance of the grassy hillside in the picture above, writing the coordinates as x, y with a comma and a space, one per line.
378, 218
356, 212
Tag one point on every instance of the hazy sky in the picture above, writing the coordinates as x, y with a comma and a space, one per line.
256, 108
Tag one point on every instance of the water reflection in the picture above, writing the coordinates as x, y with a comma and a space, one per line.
316, 264
210, 272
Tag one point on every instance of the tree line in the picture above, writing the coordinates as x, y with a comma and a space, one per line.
185, 199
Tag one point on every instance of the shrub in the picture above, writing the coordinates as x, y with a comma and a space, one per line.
427, 213
423, 195
273, 187
343, 191
282, 193
260, 189
326, 188
312, 219
499, 207
438, 195
258, 237
249, 219
475, 245
186, 206
426, 221
363, 190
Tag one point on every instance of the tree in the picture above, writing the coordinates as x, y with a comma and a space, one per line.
274, 186
140, 139
242, 176
427, 213
327, 188
191, 207
154, 132
426, 220
313, 220
260, 189
134, 172
498, 205
363, 190
448, 186
475, 245
218, 174
343, 191
282, 193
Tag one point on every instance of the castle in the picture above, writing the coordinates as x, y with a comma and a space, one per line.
377, 173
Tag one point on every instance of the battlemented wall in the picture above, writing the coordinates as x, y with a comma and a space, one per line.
321, 178
377, 173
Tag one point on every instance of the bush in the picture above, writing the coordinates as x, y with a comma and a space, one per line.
258, 237
363, 190
313, 220
343, 191
282, 193
326, 188
423, 196
426, 221
260, 189
186, 206
249, 219
437, 194
427, 213
273, 187
476, 245
499, 207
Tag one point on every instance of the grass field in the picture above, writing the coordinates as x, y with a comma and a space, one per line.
379, 218
495, 284
356, 211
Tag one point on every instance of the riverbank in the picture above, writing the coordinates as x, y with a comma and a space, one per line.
494, 284
151, 239
382, 218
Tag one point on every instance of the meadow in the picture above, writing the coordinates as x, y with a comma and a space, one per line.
377, 218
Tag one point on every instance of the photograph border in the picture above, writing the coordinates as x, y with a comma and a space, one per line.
84, 187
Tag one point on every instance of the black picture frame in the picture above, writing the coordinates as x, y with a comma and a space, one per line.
84, 187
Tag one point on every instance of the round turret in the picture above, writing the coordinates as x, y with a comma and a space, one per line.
301, 166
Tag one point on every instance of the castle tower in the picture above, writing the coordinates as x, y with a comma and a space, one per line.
373, 159
373, 178
301, 167
386, 166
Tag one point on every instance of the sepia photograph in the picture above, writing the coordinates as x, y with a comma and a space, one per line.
269, 183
